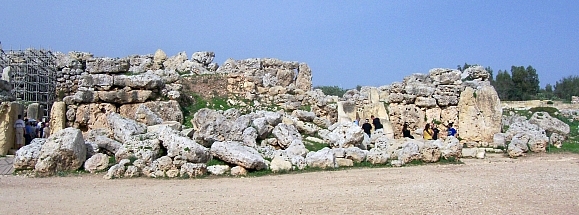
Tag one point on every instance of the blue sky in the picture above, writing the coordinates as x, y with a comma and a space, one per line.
346, 43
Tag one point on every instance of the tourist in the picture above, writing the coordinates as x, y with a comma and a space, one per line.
28, 132
46, 130
406, 132
19, 126
451, 130
39, 129
427, 132
376, 123
367, 127
435, 131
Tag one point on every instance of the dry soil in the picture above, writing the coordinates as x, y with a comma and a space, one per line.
536, 184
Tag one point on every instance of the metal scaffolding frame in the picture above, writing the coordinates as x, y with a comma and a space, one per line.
32, 75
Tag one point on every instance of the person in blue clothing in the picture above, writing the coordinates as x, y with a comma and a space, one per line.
29, 132
451, 130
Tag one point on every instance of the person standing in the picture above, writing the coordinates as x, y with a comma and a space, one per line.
427, 132
367, 127
376, 122
19, 128
30, 132
46, 130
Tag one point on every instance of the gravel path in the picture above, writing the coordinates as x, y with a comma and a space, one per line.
537, 184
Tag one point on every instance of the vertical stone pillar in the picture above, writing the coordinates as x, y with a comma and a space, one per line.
32, 111
8, 115
57, 117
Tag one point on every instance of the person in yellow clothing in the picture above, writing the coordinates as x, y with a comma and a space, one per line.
427, 133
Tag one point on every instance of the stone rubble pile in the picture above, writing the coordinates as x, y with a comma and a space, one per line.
534, 134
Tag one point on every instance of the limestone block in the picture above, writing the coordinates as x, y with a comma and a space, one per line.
107, 65
124, 96
238, 171
204, 58
425, 102
323, 158
304, 79
165, 110
344, 162
63, 151
235, 153
97, 162
279, 164
9, 112
33, 111
93, 115
146, 81
26, 157
57, 117
480, 114
218, 169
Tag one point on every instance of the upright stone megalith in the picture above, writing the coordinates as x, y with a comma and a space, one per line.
8, 114
57, 117
479, 115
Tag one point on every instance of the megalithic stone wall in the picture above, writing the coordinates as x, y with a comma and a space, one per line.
433, 97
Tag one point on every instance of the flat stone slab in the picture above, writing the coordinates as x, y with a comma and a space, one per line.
6, 165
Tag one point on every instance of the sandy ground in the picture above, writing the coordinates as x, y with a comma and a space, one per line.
537, 184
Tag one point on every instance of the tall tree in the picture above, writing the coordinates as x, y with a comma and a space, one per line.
567, 87
526, 82
504, 85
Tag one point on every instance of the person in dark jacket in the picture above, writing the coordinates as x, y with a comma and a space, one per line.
367, 127
376, 123
406, 132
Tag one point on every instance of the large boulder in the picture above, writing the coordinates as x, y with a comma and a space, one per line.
178, 145
235, 153
550, 124
101, 137
107, 65
304, 79
431, 151
323, 158
286, 134
63, 151
212, 126
409, 152
526, 134
26, 157
480, 114
97, 162
451, 148
343, 135
124, 96
124, 129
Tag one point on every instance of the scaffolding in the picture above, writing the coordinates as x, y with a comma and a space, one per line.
32, 74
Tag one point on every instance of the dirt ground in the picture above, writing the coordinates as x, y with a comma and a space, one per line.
536, 184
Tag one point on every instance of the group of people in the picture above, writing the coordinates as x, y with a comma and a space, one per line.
26, 130
367, 127
430, 131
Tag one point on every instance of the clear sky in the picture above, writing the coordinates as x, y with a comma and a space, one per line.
346, 43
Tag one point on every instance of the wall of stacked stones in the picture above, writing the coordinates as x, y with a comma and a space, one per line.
443, 95
147, 87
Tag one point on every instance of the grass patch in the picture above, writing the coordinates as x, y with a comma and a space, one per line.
215, 162
314, 146
567, 147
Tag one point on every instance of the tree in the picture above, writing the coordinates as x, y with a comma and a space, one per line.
567, 87
525, 81
504, 85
